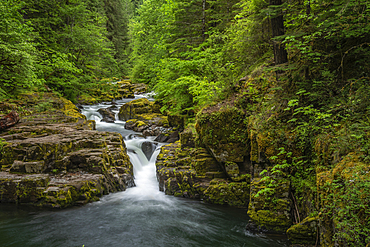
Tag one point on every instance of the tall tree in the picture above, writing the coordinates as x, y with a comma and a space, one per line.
118, 13
71, 41
277, 27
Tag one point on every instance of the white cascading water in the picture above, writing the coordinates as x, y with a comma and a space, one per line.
144, 170
145, 174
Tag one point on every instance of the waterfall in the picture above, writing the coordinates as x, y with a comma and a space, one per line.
144, 163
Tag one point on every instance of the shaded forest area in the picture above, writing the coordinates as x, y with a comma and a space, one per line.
64, 46
299, 70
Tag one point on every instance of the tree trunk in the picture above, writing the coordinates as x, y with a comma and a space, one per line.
204, 20
277, 26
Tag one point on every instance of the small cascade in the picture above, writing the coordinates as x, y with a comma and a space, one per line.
142, 152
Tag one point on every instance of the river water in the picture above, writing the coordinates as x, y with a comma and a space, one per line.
139, 216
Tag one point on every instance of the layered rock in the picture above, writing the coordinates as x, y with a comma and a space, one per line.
141, 116
126, 89
226, 132
194, 173
269, 209
140, 88
51, 159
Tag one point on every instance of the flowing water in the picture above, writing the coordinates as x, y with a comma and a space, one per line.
139, 216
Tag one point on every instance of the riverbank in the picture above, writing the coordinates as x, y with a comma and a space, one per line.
54, 158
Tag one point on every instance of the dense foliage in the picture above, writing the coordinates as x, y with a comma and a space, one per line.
64, 46
198, 52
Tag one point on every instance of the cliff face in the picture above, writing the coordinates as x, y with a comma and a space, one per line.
54, 158
303, 185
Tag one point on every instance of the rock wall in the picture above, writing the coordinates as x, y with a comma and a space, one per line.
316, 193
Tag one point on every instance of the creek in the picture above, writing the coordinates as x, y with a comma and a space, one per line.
139, 216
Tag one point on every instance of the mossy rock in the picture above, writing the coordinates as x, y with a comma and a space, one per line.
140, 88
230, 193
305, 232
232, 169
133, 108
224, 133
71, 110
270, 210
187, 138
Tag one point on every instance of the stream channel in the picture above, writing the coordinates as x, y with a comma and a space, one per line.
139, 216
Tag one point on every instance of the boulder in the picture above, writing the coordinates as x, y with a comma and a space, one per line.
224, 133
168, 137
131, 109
149, 148
107, 114
232, 169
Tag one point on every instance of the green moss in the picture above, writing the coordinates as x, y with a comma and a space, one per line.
304, 233
222, 192
140, 123
224, 133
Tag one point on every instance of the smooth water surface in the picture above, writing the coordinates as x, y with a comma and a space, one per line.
139, 216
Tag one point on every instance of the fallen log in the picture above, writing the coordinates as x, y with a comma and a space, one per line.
9, 120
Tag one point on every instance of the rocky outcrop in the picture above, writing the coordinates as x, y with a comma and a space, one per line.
140, 88
223, 132
54, 160
269, 209
343, 194
140, 115
305, 233
194, 173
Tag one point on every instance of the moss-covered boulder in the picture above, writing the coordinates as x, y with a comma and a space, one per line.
140, 116
126, 89
140, 88
304, 233
221, 191
223, 132
131, 109
194, 173
269, 209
